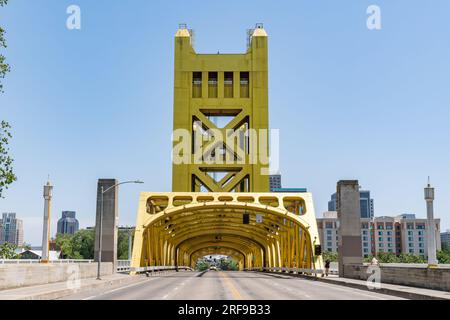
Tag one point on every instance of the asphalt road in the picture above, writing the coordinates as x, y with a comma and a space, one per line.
217, 285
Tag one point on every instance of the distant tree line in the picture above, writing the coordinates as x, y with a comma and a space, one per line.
443, 257
81, 245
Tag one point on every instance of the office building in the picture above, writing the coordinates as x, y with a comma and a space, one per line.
366, 204
275, 185
68, 224
401, 234
275, 182
445, 238
11, 229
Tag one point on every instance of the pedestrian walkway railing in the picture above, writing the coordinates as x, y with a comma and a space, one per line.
291, 270
151, 269
123, 265
36, 261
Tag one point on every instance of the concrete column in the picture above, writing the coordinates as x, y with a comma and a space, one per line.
349, 218
48, 188
431, 238
109, 221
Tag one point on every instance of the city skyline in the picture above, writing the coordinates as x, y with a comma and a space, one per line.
373, 100
88, 224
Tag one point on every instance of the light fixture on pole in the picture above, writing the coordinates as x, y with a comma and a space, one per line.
102, 191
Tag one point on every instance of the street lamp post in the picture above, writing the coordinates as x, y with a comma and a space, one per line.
101, 223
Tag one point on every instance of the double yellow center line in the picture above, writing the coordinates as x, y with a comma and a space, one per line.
229, 284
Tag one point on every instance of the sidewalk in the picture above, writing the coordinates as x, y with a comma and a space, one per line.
61, 289
389, 289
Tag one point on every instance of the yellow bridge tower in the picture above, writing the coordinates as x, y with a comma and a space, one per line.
221, 202
221, 95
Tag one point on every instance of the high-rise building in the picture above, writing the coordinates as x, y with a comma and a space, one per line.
11, 229
401, 234
68, 224
366, 204
445, 238
275, 182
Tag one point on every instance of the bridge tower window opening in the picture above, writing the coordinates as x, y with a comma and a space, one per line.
245, 82
212, 84
196, 85
228, 85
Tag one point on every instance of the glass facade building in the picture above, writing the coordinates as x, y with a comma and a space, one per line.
366, 204
68, 224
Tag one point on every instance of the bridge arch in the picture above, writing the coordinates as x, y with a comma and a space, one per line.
267, 229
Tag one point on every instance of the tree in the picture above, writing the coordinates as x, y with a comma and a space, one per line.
8, 251
122, 245
4, 67
443, 257
446, 247
26, 246
77, 246
228, 265
387, 257
202, 265
332, 256
63, 242
410, 258
83, 244
7, 175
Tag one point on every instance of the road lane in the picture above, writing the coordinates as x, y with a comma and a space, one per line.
218, 285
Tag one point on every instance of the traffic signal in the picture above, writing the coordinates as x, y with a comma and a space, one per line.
317, 250
246, 218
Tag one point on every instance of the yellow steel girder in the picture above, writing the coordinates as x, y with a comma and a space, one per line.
172, 226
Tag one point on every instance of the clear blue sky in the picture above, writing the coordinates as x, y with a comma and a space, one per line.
350, 103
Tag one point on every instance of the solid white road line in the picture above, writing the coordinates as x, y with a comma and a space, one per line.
120, 288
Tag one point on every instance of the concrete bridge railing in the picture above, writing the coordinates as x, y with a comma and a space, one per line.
34, 261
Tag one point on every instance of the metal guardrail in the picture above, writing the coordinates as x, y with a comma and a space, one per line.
293, 270
159, 268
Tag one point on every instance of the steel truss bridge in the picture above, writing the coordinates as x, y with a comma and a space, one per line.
178, 228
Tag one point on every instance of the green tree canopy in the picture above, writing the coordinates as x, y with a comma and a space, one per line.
8, 251
7, 175
332, 256
81, 245
443, 257
4, 67
202, 265
77, 246
228, 265
446, 247
122, 245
